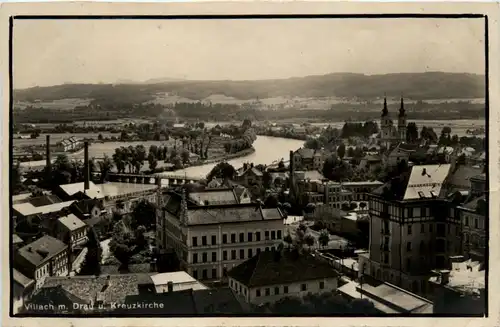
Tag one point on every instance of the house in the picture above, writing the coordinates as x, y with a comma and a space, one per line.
17, 242
361, 189
42, 258
411, 218
393, 157
210, 239
88, 208
28, 212
72, 231
272, 275
370, 163
308, 159
250, 176
22, 288
175, 281
474, 220
214, 196
279, 179
460, 177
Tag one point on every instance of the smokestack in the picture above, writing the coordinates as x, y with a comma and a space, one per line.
292, 169
86, 170
48, 161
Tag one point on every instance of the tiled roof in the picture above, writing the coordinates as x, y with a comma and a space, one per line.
57, 296
88, 287
254, 170
272, 213
426, 181
137, 268
214, 196
460, 178
305, 153
86, 205
227, 214
27, 209
41, 250
275, 268
20, 278
71, 222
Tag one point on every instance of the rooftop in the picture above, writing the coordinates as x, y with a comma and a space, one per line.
460, 178
111, 189
41, 250
214, 196
426, 181
368, 183
180, 279
27, 209
71, 222
19, 278
466, 277
229, 214
275, 268
16, 239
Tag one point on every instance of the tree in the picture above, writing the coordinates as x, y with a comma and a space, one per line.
324, 238
15, 177
222, 170
267, 180
341, 151
411, 133
350, 152
92, 263
312, 143
144, 214
185, 156
247, 123
309, 241
105, 166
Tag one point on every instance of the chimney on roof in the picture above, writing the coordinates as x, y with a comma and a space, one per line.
86, 168
170, 287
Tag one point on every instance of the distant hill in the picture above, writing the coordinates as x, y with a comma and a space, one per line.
418, 86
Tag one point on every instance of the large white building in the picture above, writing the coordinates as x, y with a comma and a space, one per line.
211, 238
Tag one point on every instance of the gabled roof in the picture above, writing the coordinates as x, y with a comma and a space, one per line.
41, 250
71, 222
253, 170
305, 153
229, 214
27, 209
426, 181
85, 206
276, 268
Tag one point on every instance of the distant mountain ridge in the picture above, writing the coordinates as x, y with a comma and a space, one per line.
430, 85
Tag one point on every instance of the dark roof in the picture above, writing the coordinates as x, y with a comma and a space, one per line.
20, 278
481, 177
55, 295
272, 268
189, 302
89, 287
41, 250
138, 268
84, 206
473, 203
460, 178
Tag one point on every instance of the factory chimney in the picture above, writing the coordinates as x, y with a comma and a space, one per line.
48, 159
86, 168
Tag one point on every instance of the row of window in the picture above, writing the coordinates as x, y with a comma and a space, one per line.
277, 289
225, 255
268, 235
476, 222
440, 229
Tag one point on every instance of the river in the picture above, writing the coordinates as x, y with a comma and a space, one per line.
268, 150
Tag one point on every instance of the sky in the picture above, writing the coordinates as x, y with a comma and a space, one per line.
53, 52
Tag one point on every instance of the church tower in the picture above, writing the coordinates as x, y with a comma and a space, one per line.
385, 125
402, 122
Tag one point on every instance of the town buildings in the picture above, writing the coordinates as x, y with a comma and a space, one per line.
308, 159
272, 275
47, 256
210, 239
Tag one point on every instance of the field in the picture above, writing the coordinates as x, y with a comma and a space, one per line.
62, 104
54, 138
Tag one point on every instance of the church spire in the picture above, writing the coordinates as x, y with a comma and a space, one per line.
402, 108
385, 112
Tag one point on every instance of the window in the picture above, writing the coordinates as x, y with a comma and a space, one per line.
422, 228
250, 236
195, 274
195, 241
233, 254
408, 246
408, 263
203, 240
204, 257
242, 254
273, 235
303, 287
224, 255
266, 235
214, 273
268, 291
386, 258
214, 240
250, 254
242, 237
224, 239
409, 229
430, 228
279, 235
214, 256
476, 223
321, 285
422, 246
258, 251
257, 293
233, 238
466, 221
204, 274
285, 289
195, 257
410, 212
276, 290
267, 249
257, 236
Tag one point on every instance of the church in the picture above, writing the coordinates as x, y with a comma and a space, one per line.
390, 134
